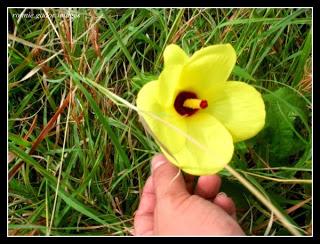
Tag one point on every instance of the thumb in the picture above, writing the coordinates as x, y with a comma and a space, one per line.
167, 180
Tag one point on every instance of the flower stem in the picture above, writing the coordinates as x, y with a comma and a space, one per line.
264, 200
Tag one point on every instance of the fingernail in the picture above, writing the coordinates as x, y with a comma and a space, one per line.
222, 194
157, 161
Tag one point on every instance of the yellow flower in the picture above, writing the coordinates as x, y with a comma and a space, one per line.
193, 94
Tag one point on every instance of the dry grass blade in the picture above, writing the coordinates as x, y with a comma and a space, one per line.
12, 156
37, 51
183, 29
29, 44
285, 181
33, 125
42, 135
94, 35
31, 73
58, 120
50, 124
305, 84
264, 200
288, 211
228, 28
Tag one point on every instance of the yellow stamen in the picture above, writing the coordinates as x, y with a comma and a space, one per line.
195, 103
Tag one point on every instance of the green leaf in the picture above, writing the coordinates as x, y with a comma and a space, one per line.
283, 136
236, 191
138, 82
237, 71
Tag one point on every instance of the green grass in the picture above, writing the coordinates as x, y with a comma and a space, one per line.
86, 174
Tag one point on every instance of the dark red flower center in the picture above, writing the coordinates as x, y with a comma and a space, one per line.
182, 109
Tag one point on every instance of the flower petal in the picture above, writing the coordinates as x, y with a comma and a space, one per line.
161, 121
168, 84
217, 142
208, 69
219, 49
174, 55
240, 108
174, 59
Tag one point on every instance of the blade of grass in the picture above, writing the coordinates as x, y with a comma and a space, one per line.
102, 118
75, 204
263, 200
60, 166
122, 46
302, 60
41, 137
172, 31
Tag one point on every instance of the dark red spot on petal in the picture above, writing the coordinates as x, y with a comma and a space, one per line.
180, 99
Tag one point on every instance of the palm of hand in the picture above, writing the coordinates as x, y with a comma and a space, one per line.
169, 207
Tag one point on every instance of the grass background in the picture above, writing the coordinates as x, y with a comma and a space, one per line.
77, 161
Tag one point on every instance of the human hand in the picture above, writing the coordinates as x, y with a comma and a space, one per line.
168, 208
